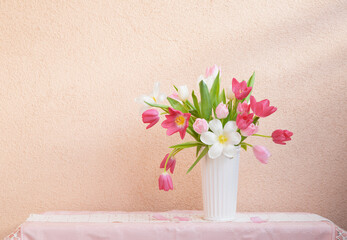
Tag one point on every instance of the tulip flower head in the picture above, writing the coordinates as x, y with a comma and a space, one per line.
210, 75
240, 89
261, 153
150, 116
176, 121
280, 136
165, 182
262, 108
229, 93
200, 125
155, 97
175, 96
250, 130
183, 92
170, 164
244, 120
243, 108
222, 111
212, 71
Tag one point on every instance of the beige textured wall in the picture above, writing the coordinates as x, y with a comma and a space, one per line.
71, 136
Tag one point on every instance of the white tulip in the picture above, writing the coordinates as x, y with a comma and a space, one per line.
230, 93
154, 97
183, 92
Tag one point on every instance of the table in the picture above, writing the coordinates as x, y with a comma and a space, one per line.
175, 225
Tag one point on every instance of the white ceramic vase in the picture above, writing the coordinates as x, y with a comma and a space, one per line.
219, 187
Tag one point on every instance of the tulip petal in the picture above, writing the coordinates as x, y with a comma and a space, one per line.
208, 138
234, 138
156, 89
215, 151
230, 126
216, 126
230, 150
152, 123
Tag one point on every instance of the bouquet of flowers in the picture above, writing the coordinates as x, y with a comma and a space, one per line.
220, 122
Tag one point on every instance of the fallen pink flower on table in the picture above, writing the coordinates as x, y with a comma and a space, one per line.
160, 217
182, 218
258, 220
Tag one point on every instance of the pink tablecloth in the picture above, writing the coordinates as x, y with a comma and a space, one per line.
175, 225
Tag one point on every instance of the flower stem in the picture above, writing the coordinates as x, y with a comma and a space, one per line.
259, 135
255, 120
172, 153
248, 144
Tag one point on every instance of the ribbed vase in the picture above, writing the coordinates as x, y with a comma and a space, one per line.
219, 187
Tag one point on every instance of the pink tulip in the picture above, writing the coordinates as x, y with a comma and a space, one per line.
150, 116
280, 136
165, 182
262, 108
250, 130
261, 153
244, 120
200, 125
170, 164
175, 96
241, 90
222, 111
176, 121
212, 71
243, 108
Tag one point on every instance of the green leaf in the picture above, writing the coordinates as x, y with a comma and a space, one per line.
176, 105
214, 92
163, 107
196, 103
250, 83
222, 97
203, 153
194, 113
198, 150
175, 88
244, 146
194, 134
187, 145
230, 108
206, 105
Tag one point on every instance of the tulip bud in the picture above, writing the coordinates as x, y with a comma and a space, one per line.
165, 182
171, 163
281, 136
222, 111
200, 125
250, 130
183, 92
243, 108
230, 93
150, 116
261, 153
